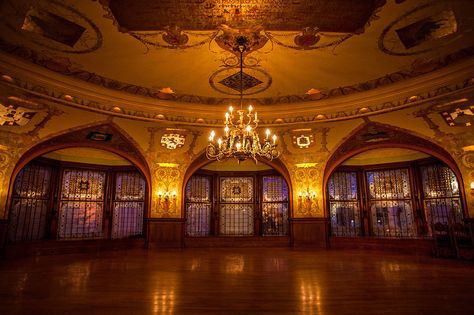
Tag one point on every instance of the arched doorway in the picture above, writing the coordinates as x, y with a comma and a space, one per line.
228, 199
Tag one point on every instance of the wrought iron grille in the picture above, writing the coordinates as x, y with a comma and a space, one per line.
390, 203
274, 206
198, 206
344, 204
129, 204
236, 206
30, 203
82, 204
441, 196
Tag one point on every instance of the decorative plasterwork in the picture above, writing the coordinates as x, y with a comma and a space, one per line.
310, 24
66, 67
47, 93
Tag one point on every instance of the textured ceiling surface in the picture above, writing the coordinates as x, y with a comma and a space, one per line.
184, 50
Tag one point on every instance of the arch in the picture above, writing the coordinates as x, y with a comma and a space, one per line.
376, 136
119, 143
202, 160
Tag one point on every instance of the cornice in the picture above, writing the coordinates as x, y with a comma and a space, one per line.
50, 86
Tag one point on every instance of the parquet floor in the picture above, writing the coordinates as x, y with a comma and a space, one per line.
236, 281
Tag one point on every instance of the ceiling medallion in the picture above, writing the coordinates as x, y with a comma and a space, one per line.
241, 139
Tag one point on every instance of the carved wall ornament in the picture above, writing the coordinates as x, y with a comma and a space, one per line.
459, 116
12, 115
172, 141
302, 138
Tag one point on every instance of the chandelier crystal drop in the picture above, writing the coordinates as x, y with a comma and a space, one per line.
241, 139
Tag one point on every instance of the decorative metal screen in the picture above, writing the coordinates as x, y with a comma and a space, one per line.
390, 203
82, 204
198, 206
441, 195
274, 206
129, 204
344, 204
236, 206
30, 199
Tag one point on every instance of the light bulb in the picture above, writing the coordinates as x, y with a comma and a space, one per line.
267, 132
250, 108
248, 129
274, 139
238, 145
231, 109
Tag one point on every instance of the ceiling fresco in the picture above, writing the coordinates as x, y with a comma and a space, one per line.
184, 50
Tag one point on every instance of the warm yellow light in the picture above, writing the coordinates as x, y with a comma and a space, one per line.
250, 108
238, 145
274, 139
306, 165
267, 133
248, 128
472, 185
231, 109
167, 164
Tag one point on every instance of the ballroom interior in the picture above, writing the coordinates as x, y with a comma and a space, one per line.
267, 135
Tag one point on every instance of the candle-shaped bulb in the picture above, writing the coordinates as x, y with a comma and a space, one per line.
226, 129
274, 139
219, 141
226, 117
255, 115
267, 133
248, 129
250, 108
211, 136
238, 145
472, 185
231, 109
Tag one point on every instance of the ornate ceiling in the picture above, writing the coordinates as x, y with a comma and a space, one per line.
302, 56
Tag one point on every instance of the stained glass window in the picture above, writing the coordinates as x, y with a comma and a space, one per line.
441, 195
274, 206
30, 199
344, 204
198, 206
236, 206
129, 204
82, 204
390, 203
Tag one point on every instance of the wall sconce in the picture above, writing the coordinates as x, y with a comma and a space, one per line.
307, 200
166, 196
308, 195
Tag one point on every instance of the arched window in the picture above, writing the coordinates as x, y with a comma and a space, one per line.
236, 204
53, 200
393, 201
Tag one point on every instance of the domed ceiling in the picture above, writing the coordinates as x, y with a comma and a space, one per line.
185, 50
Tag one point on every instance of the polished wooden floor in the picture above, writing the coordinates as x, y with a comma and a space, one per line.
236, 281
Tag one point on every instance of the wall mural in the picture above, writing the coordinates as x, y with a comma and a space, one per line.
52, 25
419, 31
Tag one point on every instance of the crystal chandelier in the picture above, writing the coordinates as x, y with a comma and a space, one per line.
241, 139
